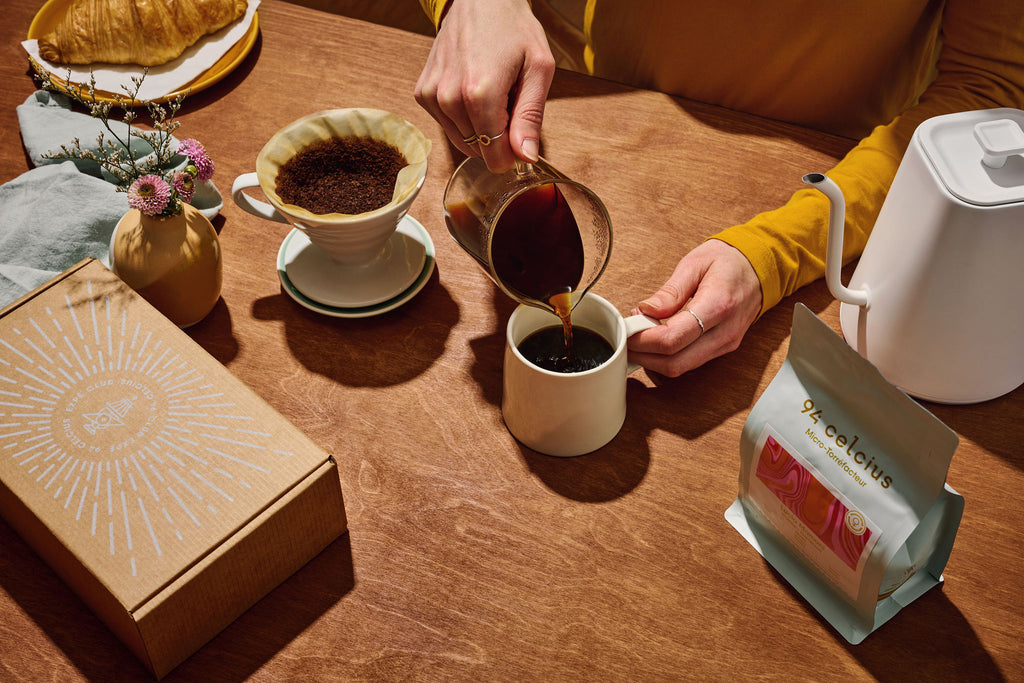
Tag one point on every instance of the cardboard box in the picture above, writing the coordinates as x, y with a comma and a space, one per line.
158, 486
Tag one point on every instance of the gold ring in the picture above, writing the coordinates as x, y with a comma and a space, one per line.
471, 140
488, 139
697, 318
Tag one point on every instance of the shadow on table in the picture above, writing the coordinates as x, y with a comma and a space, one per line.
993, 424
268, 626
928, 640
909, 643
214, 333
689, 406
238, 651
383, 350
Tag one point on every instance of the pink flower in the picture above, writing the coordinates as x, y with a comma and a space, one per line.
185, 185
195, 151
149, 194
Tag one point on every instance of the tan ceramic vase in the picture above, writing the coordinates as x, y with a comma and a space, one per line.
173, 262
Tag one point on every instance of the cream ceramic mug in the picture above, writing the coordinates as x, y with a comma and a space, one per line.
567, 414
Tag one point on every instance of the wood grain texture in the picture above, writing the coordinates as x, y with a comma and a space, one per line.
468, 556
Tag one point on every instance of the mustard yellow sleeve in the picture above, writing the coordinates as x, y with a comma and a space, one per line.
434, 9
981, 66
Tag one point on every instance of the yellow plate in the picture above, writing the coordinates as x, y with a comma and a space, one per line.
51, 12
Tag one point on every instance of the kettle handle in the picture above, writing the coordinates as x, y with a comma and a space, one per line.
834, 250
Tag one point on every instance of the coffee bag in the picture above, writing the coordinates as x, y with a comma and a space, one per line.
842, 484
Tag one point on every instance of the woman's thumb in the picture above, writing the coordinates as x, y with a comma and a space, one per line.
528, 112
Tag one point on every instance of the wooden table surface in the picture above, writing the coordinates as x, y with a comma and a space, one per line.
470, 557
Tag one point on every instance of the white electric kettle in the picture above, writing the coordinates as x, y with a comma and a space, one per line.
936, 301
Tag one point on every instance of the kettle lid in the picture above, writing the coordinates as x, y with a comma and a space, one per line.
978, 155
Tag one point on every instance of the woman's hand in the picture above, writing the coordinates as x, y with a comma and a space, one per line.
488, 74
713, 286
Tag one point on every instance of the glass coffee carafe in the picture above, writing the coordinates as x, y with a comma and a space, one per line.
542, 238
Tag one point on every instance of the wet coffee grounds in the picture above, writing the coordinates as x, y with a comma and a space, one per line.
341, 175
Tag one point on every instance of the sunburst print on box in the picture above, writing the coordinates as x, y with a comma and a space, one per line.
125, 433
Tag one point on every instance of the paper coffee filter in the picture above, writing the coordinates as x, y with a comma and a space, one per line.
356, 122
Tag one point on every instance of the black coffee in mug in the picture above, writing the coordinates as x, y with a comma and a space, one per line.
546, 349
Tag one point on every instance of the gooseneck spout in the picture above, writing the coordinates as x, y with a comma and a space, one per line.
834, 250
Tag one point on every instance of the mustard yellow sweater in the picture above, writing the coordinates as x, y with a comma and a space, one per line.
871, 70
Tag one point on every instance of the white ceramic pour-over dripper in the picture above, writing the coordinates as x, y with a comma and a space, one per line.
348, 239
936, 301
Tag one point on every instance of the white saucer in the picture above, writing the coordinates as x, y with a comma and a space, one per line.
313, 273
315, 282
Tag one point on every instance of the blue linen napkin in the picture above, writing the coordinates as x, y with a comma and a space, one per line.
63, 210
51, 218
47, 122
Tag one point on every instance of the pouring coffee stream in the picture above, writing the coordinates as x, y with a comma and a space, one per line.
542, 238
537, 252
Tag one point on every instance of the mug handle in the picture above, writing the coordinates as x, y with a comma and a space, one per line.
250, 205
634, 324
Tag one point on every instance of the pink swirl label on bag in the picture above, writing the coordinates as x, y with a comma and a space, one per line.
844, 530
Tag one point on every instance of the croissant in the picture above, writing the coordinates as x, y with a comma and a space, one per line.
145, 32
